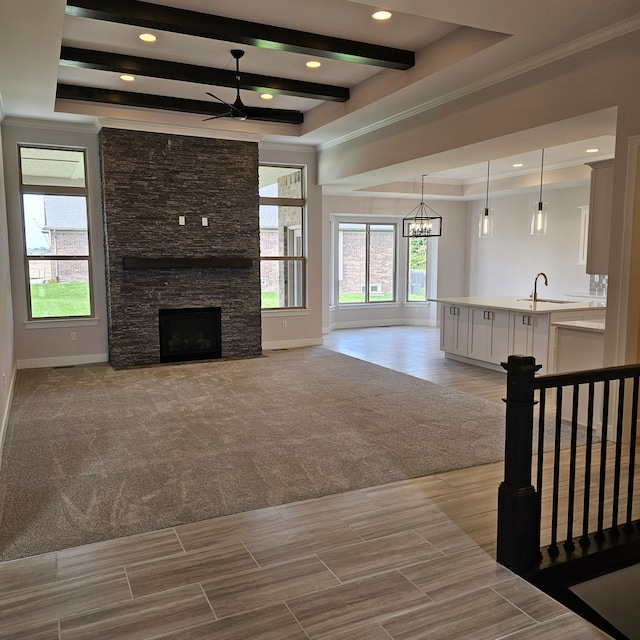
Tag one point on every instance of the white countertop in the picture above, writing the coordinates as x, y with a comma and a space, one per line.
586, 294
581, 325
512, 303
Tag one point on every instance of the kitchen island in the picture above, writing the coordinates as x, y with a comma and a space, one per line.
485, 330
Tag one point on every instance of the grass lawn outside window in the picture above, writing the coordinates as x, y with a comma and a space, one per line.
60, 299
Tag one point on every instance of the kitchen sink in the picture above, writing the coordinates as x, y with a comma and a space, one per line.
546, 300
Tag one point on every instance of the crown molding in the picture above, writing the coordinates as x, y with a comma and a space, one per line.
290, 147
58, 125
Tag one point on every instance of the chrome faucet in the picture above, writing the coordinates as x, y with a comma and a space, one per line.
535, 285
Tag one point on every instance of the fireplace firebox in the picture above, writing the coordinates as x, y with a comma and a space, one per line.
190, 334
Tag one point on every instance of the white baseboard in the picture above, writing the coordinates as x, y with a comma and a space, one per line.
291, 344
5, 414
477, 363
364, 324
418, 322
62, 361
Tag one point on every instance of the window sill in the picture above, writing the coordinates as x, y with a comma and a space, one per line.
61, 323
367, 305
285, 312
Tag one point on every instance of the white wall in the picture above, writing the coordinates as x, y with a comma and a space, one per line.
453, 251
507, 262
7, 357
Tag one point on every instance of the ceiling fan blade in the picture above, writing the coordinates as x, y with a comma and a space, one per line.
219, 100
220, 115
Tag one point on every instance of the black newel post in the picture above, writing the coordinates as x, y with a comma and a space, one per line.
518, 519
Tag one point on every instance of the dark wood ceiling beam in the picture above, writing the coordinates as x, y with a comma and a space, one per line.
117, 63
167, 103
204, 25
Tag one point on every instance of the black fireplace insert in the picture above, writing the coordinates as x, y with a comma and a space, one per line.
190, 334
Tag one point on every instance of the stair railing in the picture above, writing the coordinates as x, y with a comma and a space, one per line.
583, 500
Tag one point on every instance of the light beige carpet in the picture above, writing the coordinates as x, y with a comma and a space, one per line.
93, 453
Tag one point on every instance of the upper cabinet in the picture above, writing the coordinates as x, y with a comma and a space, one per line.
600, 200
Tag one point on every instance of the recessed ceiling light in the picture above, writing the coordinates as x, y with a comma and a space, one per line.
314, 64
147, 37
127, 78
517, 165
266, 96
381, 15
592, 150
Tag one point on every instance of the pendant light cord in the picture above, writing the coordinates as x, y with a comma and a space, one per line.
541, 171
486, 204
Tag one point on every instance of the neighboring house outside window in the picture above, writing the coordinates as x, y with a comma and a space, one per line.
282, 237
56, 233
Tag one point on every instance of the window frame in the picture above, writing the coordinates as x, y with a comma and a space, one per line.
426, 272
55, 190
301, 260
368, 223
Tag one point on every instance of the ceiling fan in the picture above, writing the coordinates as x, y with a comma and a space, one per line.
237, 110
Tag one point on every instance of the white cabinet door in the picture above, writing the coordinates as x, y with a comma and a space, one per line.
488, 334
600, 202
453, 329
499, 343
519, 338
529, 336
479, 343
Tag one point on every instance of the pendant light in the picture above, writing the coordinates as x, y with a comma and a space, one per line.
539, 217
485, 225
419, 224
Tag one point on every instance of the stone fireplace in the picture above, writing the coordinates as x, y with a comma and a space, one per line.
181, 232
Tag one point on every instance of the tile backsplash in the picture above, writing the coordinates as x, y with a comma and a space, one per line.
598, 285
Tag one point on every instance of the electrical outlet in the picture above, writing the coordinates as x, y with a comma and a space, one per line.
284, 324
73, 336
182, 221
4, 379
205, 222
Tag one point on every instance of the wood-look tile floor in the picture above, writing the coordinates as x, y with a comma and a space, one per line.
403, 561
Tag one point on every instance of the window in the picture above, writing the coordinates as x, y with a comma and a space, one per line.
282, 237
366, 258
417, 280
56, 232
